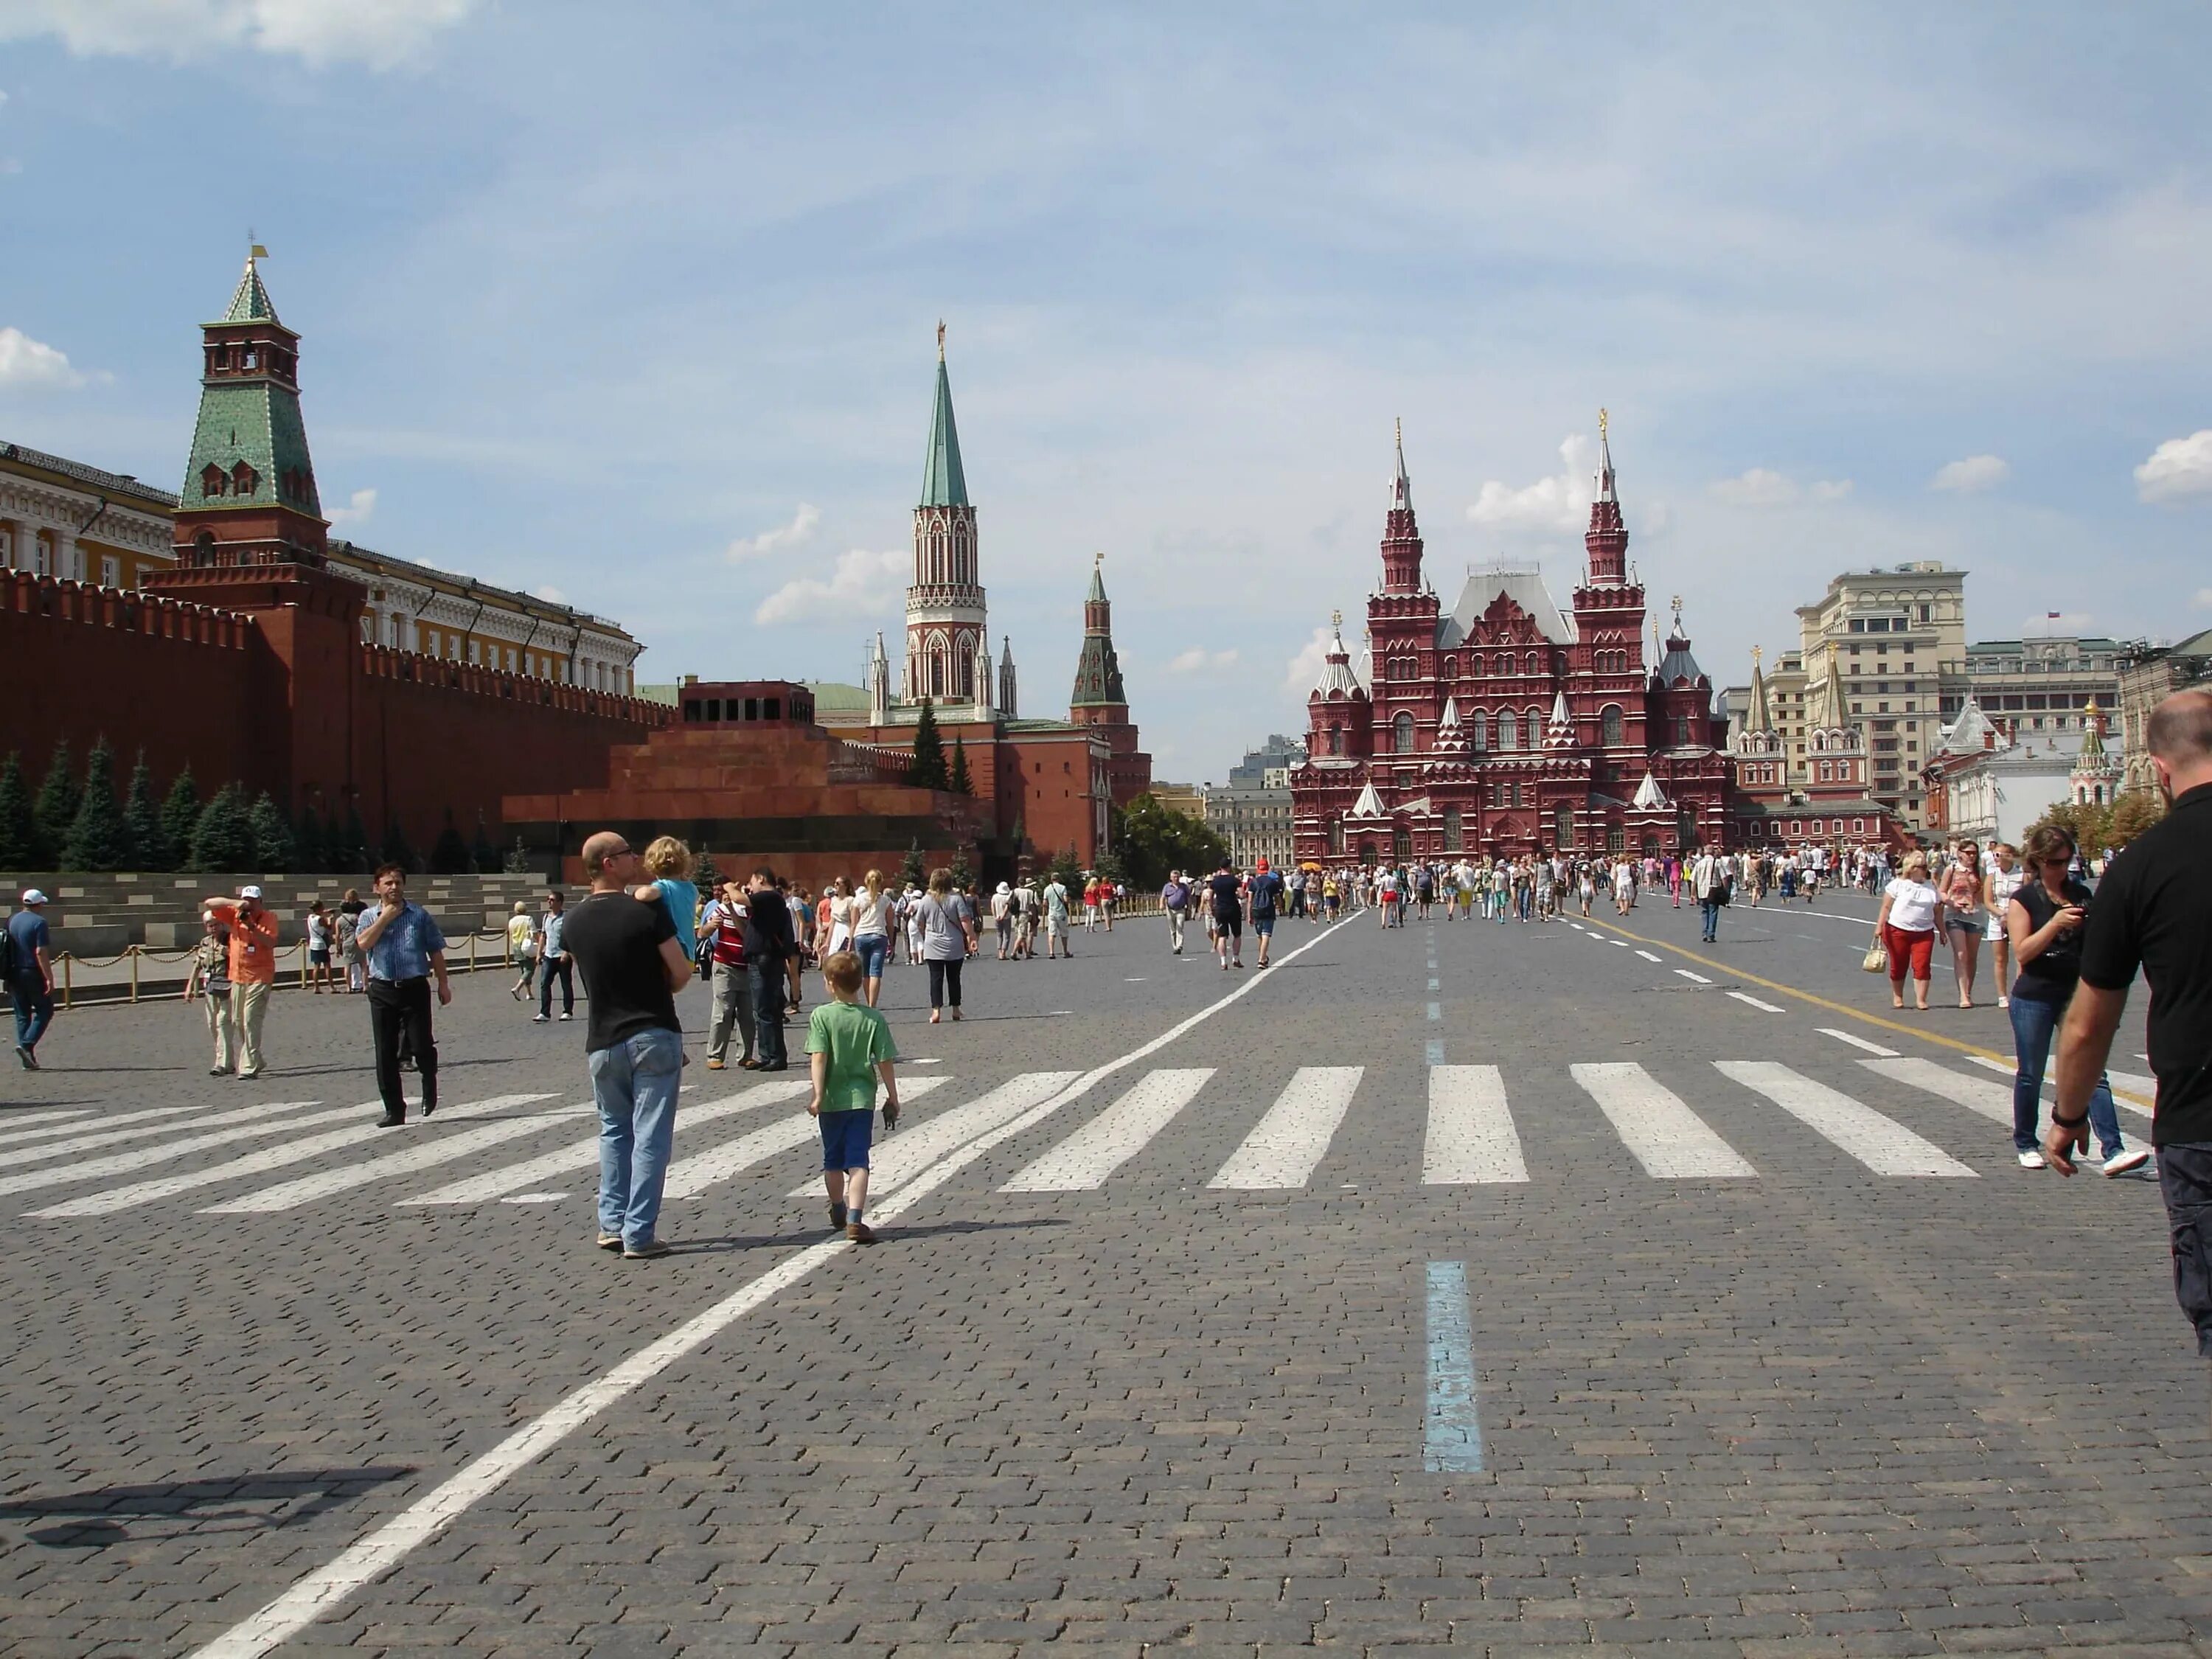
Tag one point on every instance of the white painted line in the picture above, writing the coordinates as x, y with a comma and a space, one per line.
585, 1154
2141, 1108
1626, 945
1435, 984
534, 1198
18, 1126
1989, 1065
694, 1176
1664, 1135
274, 1157
370, 1558
2145, 1086
145, 1158
427, 1152
1135, 979
1762, 1007
1882, 1144
259, 1113
1687, 974
1471, 1139
1855, 1041
898, 1157
1082, 1163
1647, 956
1991, 1100
932, 1060
1286, 1144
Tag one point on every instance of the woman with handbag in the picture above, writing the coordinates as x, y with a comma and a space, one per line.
1907, 925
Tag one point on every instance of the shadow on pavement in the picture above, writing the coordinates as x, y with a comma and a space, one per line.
95, 1519
891, 1232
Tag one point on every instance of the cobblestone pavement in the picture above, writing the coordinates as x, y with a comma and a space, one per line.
1158, 1363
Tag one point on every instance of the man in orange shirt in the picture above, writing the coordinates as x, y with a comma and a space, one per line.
252, 969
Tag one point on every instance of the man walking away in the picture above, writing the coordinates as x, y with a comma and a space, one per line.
1709, 882
1265, 889
1175, 905
210, 977
553, 958
633, 967
30, 975
405, 949
2154, 911
252, 969
1227, 896
769, 939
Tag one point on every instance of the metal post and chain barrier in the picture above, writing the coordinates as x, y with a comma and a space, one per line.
136, 987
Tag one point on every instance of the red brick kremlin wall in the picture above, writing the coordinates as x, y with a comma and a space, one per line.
283, 698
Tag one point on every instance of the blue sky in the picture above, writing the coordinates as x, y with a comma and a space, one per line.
636, 305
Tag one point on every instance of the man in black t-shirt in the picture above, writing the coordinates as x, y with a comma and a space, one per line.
633, 967
771, 941
1226, 895
2154, 911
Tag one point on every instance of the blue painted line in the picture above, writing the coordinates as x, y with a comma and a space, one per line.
1436, 1051
1453, 1430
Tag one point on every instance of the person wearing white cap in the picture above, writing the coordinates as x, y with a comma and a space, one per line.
1002, 917
252, 967
30, 976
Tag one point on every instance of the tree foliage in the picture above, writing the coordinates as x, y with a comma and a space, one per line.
350, 855
449, 853
2133, 814
1153, 839
96, 839
55, 809
274, 853
2090, 825
223, 839
180, 816
927, 769
395, 849
912, 872
482, 853
310, 847
1066, 871
19, 835
964, 876
149, 844
958, 780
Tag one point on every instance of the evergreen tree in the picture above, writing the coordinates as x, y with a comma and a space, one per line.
928, 770
96, 838
1066, 871
449, 853
19, 836
964, 879
517, 862
54, 810
912, 872
395, 849
274, 853
1111, 867
223, 840
481, 853
180, 816
709, 876
310, 847
142, 823
958, 780
351, 855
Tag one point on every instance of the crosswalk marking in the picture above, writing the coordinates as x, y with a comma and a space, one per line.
1687, 974
1855, 1041
273, 1157
1648, 956
1762, 1007
1882, 1144
1991, 1099
146, 1157
1081, 1162
901, 1156
1287, 1143
1471, 1138
111, 1137
19, 1129
2125, 1080
585, 1154
428, 1153
1661, 1133
2147, 1086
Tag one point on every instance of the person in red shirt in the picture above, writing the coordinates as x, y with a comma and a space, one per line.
252, 967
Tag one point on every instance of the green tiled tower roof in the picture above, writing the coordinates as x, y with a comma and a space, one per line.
251, 303
943, 482
249, 416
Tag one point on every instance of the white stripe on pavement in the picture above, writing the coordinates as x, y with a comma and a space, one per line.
1687, 974
275, 1157
425, 1154
18, 1126
106, 1137
1648, 956
1471, 1139
2126, 1080
1663, 1134
1081, 1162
1286, 1144
585, 1154
899, 1156
1882, 1144
1858, 1043
145, 1158
1762, 1007
1992, 1100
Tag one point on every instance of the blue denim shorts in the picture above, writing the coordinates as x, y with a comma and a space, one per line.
872, 948
845, 1137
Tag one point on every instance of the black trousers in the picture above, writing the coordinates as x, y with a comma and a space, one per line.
944, 980
398, 1006
565, 966
2184, 1175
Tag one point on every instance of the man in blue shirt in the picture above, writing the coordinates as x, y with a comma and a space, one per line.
404, 949
553, 958
30, 976
1265, 890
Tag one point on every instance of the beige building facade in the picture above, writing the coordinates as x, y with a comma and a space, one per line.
60, 518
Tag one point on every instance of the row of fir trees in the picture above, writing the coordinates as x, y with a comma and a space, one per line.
75, 822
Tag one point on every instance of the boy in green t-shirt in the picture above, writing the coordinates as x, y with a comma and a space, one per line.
851, 1046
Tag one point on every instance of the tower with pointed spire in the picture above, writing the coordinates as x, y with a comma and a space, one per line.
1402, 535
947, 653
249, 494
1100, 701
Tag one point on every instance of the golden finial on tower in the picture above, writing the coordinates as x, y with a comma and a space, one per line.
940, 339
1758, 655
1398, 430
1600, 422
1097, 559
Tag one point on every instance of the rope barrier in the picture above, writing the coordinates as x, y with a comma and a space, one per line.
67, 962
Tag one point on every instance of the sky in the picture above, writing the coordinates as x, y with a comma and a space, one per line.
636, 306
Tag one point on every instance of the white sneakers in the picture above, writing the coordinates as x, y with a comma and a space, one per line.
2033, 1160
2121, 1162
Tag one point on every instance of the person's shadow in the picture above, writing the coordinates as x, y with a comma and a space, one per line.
244, 1503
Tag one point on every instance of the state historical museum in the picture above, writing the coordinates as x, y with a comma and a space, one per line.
1505, 725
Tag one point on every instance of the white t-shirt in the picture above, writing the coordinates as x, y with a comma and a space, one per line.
1911, 906
871, 915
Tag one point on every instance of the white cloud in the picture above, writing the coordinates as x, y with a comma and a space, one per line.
2176, 469
1559, 502
2203, 599
1762, 487
1830, 490
861, 583
796, 533
551, 594
1975, 473
357, 512
382, 34
28, 362
1303, 672
1195, 661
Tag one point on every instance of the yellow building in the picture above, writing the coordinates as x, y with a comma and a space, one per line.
62, 519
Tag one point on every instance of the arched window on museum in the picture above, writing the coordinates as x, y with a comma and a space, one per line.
1451, 668
1455, 830
1616, 838
1401, 734
1478, 731
1535, 728
1609, 727
1563, 824
1509, 730
1532, 663
1336, 837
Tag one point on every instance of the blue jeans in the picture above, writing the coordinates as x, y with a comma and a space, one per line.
2034, 1023
34, 1009
769, 994
872, 948
634, 1084
1711, 910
